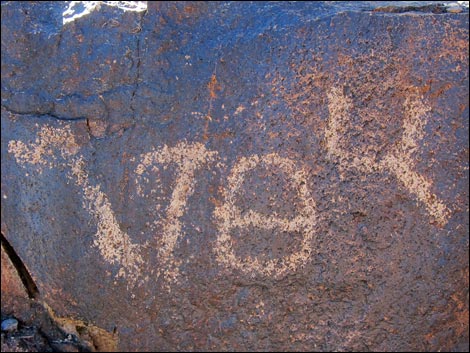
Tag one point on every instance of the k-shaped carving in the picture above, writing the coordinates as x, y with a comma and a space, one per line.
399, 161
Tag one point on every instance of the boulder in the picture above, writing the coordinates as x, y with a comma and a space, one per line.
240, 176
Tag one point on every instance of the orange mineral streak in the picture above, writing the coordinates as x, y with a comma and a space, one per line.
213, 86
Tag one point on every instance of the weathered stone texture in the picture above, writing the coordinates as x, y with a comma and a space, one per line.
13, 294
231, 176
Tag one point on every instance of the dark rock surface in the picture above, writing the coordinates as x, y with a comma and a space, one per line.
231, 176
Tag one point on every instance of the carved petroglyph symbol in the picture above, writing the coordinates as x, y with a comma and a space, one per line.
229, 217
45, 144
188, 158
399, 161
55, 147
114, 244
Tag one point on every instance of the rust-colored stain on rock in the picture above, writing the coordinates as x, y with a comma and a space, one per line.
230, 176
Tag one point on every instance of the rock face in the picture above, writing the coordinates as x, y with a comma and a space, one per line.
231, 176
13, 294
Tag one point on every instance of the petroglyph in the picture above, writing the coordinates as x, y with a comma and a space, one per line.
188, 158
46, 143
399, 161
229, 217
339, 106
56, 147
114, 245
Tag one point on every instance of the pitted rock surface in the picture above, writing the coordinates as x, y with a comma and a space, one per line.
241, 176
